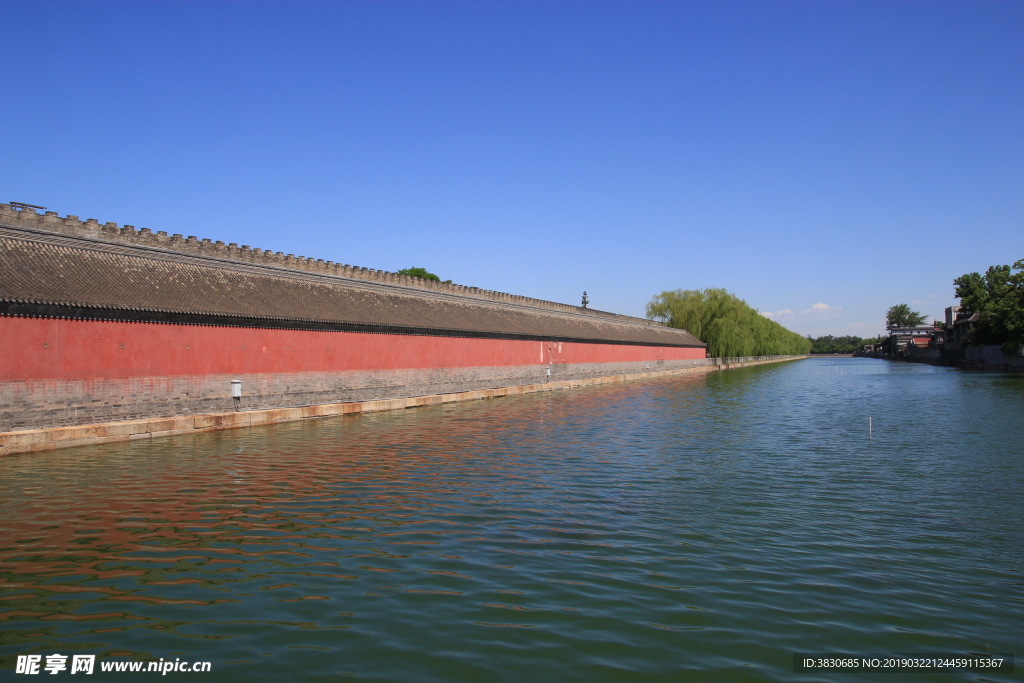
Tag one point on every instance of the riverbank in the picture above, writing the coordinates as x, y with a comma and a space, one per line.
985, 358
36, 440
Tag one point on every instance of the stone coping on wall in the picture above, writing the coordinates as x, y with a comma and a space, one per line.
110, 232
37, 440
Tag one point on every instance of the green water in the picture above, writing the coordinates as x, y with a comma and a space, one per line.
695, 528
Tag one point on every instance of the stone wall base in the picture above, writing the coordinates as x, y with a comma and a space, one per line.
35, 440
47, 403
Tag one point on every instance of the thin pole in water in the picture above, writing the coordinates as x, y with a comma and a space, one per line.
869, 427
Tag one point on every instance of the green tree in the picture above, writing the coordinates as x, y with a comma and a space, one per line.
830, 344
419, 272
725, 323
900, 315
998, 298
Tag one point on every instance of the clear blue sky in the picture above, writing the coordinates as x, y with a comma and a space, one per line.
824, 158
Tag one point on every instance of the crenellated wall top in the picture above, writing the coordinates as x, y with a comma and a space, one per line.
127, 234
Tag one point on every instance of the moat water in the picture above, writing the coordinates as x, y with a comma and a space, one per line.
701, 527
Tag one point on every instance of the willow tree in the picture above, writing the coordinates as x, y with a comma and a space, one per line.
725, 323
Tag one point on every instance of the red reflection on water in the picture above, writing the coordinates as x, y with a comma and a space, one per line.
148, 523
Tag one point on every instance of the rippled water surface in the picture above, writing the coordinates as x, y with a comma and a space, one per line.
694, 528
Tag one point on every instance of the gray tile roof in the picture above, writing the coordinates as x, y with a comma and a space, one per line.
48, 273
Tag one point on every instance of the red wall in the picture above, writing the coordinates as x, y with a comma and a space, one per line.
39, 348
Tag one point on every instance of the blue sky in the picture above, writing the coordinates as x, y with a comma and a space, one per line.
821, 160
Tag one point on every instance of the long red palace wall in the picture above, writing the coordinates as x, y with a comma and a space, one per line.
106, 324
64, 372
36, 348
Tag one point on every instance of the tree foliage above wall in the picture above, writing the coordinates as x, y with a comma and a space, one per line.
421, 273
998, 296
725, 323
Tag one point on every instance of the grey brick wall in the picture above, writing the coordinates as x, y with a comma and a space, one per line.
36, 404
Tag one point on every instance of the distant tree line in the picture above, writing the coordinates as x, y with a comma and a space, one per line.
998, 298
725, 323
830, 344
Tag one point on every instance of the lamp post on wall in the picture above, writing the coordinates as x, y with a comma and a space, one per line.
585, 299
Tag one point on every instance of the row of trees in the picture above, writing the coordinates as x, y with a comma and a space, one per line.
731, 328
830, 344
998, 298
725, 323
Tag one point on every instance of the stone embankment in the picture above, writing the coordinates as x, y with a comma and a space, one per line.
37, 440
984, 358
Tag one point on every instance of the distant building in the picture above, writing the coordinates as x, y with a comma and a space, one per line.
901, 338
958, 327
